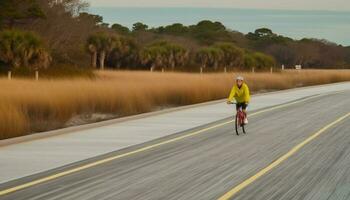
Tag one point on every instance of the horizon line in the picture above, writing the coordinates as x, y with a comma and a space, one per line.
226, 8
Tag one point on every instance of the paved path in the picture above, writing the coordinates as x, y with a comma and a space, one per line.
186, 164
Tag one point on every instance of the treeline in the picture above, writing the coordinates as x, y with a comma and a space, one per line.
42, 33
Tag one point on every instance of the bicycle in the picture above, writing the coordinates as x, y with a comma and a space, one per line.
239, 120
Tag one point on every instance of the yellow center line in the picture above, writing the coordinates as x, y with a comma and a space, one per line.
99, 162
295, 149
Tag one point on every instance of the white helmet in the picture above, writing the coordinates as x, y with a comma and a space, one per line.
239, 78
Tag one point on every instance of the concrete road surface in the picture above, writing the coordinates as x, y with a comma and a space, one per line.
40, 155
209, 161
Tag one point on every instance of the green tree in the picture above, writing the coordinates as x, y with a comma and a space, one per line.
210, 57
209, 32
16, 11
120, 29
249, 61
263, 38
153, 56
104, 25
100, 45
264, 61
107, 43
97, 19
176, 29
232, 55
164, 54
180, 54
138, 26
18, 48
210, 26
264, 32
125, 54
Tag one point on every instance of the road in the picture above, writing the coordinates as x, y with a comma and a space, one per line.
213, 161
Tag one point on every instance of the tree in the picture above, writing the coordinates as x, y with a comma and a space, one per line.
263, 60
263, 38
232, 55
92, 47
175, 29
179, 54
284, 54
210, 57
249, 60
120, 29
209, 25
139, 27
100, 45
264, 32
107, 43
97, 19
153, 56
17, 11
104, 25
164, 54
18, 48
208, 32
125, 54
64, 30
31, 45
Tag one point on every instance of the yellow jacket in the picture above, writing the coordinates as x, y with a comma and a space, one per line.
241, 95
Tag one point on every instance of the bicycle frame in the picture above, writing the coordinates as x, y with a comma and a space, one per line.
241, 116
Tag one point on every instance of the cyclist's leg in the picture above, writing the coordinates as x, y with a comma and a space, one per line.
244, 109
238, 106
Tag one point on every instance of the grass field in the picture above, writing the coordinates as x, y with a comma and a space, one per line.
29, 106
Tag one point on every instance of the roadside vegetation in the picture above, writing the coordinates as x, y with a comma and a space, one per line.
32, 106
46, 34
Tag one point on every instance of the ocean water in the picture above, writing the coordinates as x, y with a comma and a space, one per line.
330, 25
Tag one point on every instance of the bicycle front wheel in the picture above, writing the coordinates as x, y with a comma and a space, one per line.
237, 124
243, 128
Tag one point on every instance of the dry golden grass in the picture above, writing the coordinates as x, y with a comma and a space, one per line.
30, 106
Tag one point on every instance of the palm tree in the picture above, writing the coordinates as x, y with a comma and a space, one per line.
107, 43
210, 57
155, 56
178, 55
31, 46
21, 48
202, 57
100, 45
164, 54
43, 58
232, 55
125, 53
10, 44
92, 45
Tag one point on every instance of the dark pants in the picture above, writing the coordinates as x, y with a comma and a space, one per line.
241, 105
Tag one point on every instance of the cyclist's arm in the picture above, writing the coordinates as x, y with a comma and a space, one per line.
247, 94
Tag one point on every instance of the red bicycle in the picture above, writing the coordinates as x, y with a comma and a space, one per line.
239, 120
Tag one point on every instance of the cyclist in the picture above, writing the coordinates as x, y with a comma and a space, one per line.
240, 92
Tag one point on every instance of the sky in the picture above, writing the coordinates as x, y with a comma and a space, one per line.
341, 5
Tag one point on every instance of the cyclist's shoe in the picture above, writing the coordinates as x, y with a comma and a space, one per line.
245, 121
